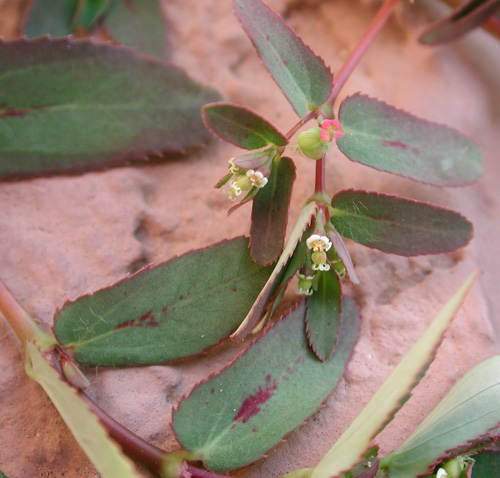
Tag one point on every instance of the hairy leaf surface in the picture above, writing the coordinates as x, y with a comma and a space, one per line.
397, 225
241, 126
391, 396
173, 310
469, 412
389, 139
270, 213
268, 391
49, 17
104, 454
303, 76
70, 106
465, 18
323, 318
279, 272
139, 24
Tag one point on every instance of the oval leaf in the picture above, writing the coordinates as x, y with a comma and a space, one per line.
279, 272
389, 139
398, 226
173, 310
469, 412
270, 213
241, 126
391, 396
268, 391
139, 24
303, 76
323, 317
487, 465
104, 454
470, 15
48, 17
70, 106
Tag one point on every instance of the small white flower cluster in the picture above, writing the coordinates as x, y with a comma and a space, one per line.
246, 181
319, 245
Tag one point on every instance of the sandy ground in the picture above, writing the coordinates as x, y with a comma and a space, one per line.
63, 237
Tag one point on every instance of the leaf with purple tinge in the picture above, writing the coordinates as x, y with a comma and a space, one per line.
48, 17
303, 76
275, 279
270, 213
139, 24
70, 106
461, 21
269, 390
241, 126
173, 310
397, 225
386, 138
323, 318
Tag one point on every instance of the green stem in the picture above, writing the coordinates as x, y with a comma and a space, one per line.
20, 321
358, 53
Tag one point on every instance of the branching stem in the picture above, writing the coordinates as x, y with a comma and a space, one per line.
367, 39
302, 122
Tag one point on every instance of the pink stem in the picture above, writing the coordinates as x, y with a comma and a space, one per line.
355, 57
301, 123
320, 176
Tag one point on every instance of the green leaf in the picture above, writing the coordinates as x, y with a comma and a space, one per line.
104, 454
270, 213
469, 412
398, 226
49, 17
461, 21
3, 475
241, 126
302, 75
139, 24
173, 310
69, 106
267, 392
323, 317
89, 12
389, 139
390, 397
487, 465
274, 281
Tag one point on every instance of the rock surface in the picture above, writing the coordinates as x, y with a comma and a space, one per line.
66, 236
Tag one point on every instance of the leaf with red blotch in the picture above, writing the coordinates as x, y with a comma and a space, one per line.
240, 126
269, 390
461, 21
397, 225
323, 318
270, 213
139, 24
279, 272
70, 106
392, 140
48, 17
302, 76
173, 310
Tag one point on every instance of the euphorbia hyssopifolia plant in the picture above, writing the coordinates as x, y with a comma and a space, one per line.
181, 307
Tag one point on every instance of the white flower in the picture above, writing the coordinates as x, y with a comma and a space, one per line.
234, 190
318, 243
441, 473
256, 178
305, 284
321, 267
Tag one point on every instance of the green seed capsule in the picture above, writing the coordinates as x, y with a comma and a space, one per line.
311, 145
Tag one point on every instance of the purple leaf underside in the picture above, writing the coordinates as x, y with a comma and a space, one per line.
397, 225
269, 390
270, 213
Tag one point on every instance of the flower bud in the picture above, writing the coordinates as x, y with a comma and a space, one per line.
453, 468
311, 145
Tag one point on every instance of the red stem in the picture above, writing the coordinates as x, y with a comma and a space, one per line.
301, 123
355, 57
319, 186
